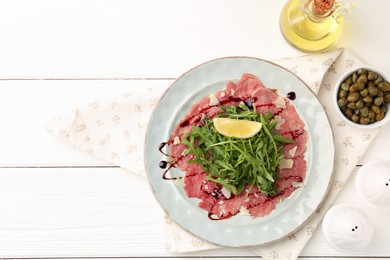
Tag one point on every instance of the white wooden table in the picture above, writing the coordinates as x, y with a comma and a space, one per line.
57, 202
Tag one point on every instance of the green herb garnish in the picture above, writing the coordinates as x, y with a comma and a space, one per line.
235, 163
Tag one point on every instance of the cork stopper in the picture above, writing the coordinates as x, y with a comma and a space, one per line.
321, 7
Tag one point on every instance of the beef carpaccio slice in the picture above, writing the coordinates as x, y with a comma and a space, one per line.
213, 197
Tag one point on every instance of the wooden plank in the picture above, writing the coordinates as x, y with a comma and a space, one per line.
26, 105
138, 39
132, 39
98, 212
80, 212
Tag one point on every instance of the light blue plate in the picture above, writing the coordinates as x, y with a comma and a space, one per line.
240, 230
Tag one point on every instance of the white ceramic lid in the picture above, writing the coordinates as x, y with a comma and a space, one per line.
347, 228
373, 184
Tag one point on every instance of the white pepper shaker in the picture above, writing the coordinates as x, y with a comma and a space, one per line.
373, 184
347, 228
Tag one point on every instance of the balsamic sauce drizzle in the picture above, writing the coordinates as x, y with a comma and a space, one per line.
166, 164
291, 95
195, 121
213, 216
161, 146
163, 164
166, 171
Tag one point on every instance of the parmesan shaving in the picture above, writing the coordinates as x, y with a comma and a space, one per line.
286, 164
176, 140
297, 184
280, 102
227, 193
244, 211
281, 121
213, 100
292, 151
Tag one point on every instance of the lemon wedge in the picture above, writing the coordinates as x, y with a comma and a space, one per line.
236, 128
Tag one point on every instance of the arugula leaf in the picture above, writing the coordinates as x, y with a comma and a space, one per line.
235, 163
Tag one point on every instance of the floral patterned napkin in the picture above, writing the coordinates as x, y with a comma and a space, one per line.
112, 129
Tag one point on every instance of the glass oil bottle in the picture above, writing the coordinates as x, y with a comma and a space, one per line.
313, 25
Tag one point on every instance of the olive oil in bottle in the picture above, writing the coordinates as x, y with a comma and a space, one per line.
312, 25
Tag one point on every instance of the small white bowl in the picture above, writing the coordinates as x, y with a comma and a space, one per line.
376, 124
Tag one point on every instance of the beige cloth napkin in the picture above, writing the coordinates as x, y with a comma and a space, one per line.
113, 130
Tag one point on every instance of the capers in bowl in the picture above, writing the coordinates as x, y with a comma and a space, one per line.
362, 97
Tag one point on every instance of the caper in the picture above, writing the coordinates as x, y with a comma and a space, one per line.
364, 93
378, 80
353, 97
371, 84
376, 109
372, 75
364, 121
378, 101
352, 89
343, 94
364, 112
373, 91
379, 116
367, 99
361, 71
371, 114
352, 105
358, 86
386, 98
362, 79
384, 86
383, 108
354, 77
359, 104
345, 86
355, 118
348, 113
348, 80
343, 102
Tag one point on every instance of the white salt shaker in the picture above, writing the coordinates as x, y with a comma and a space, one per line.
373, 184
347, 228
